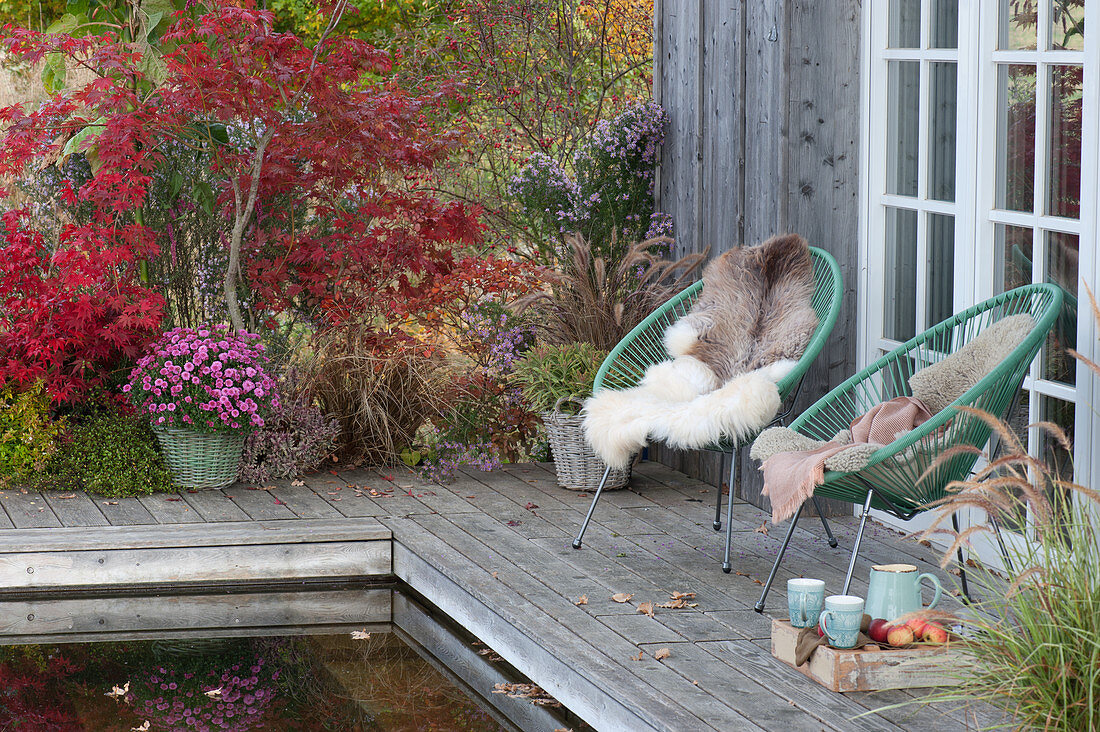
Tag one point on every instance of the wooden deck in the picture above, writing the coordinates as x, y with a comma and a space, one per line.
493, 552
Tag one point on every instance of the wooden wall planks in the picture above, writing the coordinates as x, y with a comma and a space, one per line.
763, 99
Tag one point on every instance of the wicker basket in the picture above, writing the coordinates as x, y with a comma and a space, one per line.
200, 459
577, 466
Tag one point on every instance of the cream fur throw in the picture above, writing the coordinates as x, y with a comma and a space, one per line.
937, 385
745, 332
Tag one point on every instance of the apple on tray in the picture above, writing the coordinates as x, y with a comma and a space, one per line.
878, 630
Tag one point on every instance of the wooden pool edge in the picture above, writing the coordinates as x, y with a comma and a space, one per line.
57, 561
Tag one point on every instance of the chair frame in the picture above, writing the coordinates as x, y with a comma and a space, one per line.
642, 347
874, 485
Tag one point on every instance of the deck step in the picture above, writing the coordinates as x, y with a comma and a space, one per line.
66, 559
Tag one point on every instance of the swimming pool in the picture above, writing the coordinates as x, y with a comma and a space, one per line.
312, 658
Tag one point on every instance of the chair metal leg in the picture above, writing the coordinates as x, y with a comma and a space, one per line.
825, 523
718, 504
584, 526
759, 607
859, 538
726, 566
962, 562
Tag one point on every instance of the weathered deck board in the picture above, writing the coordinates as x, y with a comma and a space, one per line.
75, 508
124, 511
28, 510
493, 551
170, 508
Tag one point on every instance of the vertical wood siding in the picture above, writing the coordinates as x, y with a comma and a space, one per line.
763, 99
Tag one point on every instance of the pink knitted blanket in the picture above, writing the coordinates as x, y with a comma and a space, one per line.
790, 477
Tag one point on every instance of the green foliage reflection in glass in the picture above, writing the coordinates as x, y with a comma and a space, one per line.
549, 373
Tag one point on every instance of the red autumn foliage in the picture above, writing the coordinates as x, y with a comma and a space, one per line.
322, 141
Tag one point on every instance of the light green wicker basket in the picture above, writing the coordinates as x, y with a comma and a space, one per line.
200, 459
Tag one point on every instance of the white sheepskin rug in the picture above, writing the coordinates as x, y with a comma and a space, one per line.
669, 406
752, 321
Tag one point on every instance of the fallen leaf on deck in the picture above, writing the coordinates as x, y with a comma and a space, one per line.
471, 496
742, 574
387, 477
177, 498
762, 529
360, 635
105, 503
297, 483
406, 487
646, 608
683, 595
279, 503
583, 495
621, 597
62, 498
531, 692
694, 683
270, 487
494, 575
638, 657
513, 522
531, 506
678, 604
662, 654
582, 601
563, 729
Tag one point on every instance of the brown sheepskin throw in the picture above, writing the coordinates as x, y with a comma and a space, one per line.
745, 332
754, 309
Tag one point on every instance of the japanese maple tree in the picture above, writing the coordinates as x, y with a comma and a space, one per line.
322, 156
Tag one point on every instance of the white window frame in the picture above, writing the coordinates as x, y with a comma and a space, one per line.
973, 208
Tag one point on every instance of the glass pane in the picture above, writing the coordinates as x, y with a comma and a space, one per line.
941, 268
945, 24
900, 312
903, 142
941, 131
1015, 137
1064, 194
904, 24
1062, 255
1067, 24
1019, 21
1051, 451
1014, 251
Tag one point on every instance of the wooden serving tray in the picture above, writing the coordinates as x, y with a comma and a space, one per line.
871, 670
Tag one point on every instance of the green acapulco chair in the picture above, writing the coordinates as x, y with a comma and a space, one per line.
899, 478
643, 346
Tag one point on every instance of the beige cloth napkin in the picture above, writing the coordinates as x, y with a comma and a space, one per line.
790, 477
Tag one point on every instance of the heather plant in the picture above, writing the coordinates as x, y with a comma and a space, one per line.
28, 436
610, 202
296, 437
109, 453
206, 379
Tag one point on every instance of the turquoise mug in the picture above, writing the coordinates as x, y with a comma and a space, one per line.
841, 620
895, 590
805, 598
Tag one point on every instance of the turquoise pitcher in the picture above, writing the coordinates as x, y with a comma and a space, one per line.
895, 590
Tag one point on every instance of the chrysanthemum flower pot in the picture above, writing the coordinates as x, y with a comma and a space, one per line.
200, 459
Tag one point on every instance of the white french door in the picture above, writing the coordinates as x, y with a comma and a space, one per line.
979, 149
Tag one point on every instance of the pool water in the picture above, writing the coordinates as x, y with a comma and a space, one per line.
325, 677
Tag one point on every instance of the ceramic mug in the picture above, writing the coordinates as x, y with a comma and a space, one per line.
895, 590
841, 620
805, 598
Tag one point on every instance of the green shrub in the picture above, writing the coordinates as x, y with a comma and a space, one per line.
111, 454
548, 373
28, 437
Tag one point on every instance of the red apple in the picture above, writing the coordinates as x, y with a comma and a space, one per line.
900, 636
877, 630
935, 634
917, 625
